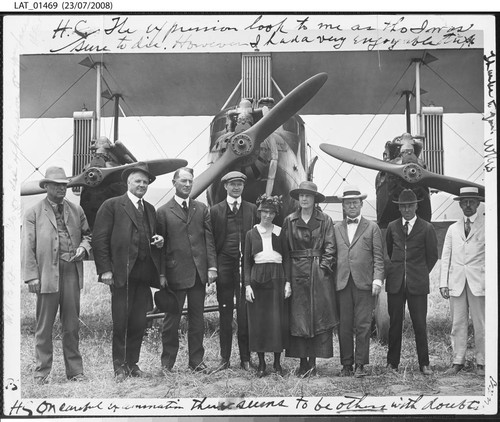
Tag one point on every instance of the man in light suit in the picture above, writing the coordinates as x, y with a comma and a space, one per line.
463, 280
127, 258
412, 249
188, 263
231, 219
55, 239
360, 272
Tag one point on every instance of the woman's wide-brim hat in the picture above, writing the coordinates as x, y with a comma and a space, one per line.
468, 193
407, 196
309, 188
352, 192
142, 167
54, 175
166, 301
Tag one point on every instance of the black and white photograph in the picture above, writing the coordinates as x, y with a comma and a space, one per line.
248, 213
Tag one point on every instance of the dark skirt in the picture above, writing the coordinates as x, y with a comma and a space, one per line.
268, 314
319, 346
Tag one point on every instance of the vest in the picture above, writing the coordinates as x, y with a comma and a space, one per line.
234, 235
144, 235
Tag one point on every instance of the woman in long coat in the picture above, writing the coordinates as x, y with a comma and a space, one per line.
266, 288
312, 259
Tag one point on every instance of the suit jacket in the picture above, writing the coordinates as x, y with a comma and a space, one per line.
116, 239
363, 258
218, 217
411, 259
464, 259
40, 243
189, 244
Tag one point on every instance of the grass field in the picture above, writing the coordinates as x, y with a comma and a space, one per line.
95, 346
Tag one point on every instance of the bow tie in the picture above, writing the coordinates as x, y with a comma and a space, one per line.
350, 221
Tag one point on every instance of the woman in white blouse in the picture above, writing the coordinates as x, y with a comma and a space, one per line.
265, 285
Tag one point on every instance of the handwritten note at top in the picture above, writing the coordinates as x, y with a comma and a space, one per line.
207, 33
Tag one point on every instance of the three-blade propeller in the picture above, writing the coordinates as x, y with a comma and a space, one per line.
411, 172
248, 142
94, 176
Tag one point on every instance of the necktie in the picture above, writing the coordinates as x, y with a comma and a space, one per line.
140, 207
467, 227
60, 208
407, 228
352, 221
184, 206
235, 207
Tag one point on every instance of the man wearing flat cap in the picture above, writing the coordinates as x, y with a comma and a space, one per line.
231, 219
463, 278
360, 272
127, 258
412, 249
55, 239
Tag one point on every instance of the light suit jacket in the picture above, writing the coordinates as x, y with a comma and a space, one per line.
364, 257
189, 244
40, 243
464, 259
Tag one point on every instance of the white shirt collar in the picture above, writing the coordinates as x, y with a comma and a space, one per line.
230, 200
276, 229
180, 200
134, 199
411, 222
472, 218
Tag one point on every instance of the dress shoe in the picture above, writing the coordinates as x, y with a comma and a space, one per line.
78, 378
278, 370
136, 372
302, 370
426, 370
245, 365
480, 370
346, 371
360, 371
392, 368
200, 368
455, 369
38, 380
121, 374
261, 370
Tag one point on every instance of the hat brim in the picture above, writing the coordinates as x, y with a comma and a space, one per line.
479, 198
318, 197
354, 197
126, 173
166, 301
407, 202
234, 179
59, 181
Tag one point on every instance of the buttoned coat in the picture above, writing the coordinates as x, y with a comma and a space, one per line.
464, 258
189, 244
363, 257
116, 239
40, 251
411, 259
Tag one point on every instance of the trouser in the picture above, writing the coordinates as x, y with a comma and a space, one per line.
228, 286
67, 300
170, 332
417, 305
355, 310
459, 308
129, 305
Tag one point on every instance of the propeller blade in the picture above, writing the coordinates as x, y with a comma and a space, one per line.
244, 143
31, 188
411, 172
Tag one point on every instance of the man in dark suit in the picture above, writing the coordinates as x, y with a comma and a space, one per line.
412, 249
231, 219
188, 263
55, 239
360, 272
124, 233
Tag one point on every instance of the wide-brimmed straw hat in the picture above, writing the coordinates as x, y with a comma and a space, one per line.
352, 192
407, 196
469, 192
142, 167
54, 175
309, 188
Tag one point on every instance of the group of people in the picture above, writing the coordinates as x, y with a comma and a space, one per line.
292, 285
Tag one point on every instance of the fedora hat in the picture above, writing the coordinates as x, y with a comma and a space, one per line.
166, 301
469, 192
309, 188
233, 175
352, 192
140, 166
54, 175
407, 196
